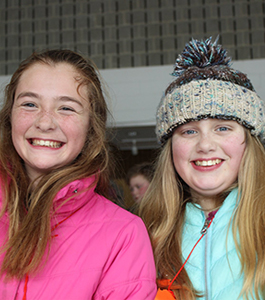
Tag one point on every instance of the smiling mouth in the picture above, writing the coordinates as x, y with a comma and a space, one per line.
207, 163
44, 143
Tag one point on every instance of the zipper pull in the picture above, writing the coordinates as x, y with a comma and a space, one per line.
205, 226
208, 222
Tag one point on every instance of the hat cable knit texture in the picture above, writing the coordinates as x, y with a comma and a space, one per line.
207, 87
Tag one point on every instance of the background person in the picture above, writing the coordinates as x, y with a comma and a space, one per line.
138, 178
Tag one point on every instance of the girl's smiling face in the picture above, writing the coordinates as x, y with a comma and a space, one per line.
50, 118
207, 154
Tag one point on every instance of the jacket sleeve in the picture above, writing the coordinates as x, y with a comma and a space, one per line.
130, 272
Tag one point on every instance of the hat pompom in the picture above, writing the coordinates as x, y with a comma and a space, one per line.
201, 54
205, 60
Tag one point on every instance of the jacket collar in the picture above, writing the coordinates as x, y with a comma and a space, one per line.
195, 216
79, 191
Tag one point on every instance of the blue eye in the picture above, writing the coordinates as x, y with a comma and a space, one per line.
190, 131
67, 108
222, 129
29, 104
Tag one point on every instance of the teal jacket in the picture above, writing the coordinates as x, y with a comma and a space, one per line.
214, 266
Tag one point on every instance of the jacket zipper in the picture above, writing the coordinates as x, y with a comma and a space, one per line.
205, 270
204, 231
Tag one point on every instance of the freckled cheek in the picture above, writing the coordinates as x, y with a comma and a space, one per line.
180, 152
238, 154
235, 147
20, 124
76, 133
73, 124
181, 155
21, 117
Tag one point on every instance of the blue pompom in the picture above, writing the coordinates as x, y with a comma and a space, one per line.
201, 54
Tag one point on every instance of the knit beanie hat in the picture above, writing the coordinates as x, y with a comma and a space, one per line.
207, 87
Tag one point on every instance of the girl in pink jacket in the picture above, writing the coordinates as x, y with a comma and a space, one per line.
60, 237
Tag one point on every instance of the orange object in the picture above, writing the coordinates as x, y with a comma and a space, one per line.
163, 283
164, 295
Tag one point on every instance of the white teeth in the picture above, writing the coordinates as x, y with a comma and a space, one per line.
206, 163
49, 144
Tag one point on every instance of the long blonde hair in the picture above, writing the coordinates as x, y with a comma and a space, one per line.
24, 249
162, 210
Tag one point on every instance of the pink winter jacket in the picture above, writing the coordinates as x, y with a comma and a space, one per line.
100, 252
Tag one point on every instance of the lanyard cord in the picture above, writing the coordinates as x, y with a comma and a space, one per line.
207, 224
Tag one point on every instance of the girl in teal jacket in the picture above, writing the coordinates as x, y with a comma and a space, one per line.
205, 208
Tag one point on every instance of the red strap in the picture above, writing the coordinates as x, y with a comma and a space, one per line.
25, 287
211, 217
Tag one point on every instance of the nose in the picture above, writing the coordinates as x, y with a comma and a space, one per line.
206, 143
134, 192
45, 121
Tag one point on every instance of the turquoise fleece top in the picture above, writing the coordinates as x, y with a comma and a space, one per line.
214, 266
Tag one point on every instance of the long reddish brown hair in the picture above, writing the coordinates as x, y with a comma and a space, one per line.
24, 249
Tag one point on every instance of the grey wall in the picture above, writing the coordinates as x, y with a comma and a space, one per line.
128, 33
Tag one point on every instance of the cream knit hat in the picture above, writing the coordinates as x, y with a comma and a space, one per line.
206, 87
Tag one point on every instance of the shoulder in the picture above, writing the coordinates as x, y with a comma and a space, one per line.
101, 214
113, 249
113, 215
129, 271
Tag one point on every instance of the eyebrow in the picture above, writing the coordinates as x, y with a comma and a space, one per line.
37, 96
70, 99
27, 94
